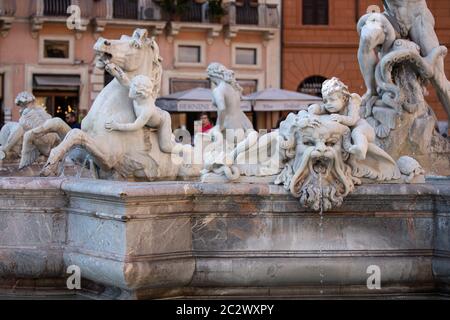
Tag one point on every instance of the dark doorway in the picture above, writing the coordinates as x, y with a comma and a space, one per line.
58, 104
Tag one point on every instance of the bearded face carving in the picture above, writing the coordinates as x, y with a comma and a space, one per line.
321, 178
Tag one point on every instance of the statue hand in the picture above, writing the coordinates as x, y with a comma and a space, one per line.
336, 117
368, 97
310, 122
116, 72
111, 126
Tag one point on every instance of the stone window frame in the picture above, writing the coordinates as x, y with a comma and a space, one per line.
82, 71
200, 44
69, 60
259, 57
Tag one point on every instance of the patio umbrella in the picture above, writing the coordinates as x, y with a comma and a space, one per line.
194, 100
280, 100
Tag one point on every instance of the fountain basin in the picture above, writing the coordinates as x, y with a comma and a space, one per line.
190, 239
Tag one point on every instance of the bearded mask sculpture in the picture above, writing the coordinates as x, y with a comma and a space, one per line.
329, 148
319, 176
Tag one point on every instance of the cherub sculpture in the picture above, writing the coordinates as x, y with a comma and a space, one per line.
147, 114
344, 107
366, 158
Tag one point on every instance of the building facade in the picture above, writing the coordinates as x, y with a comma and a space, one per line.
320, 41
46, 46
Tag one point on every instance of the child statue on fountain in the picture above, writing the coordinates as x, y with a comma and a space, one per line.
147, 114
344, 107
367, 160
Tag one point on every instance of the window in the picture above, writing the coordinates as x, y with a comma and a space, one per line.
246, 56
248, 86
178, 85
312, 86
189, 54
56, 49
315, 12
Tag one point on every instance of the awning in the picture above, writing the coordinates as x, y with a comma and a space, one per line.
56, 82
280, 100
194, 100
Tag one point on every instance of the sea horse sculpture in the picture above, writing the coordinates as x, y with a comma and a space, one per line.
120, 155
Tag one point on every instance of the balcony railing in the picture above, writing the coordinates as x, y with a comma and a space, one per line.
126, 9
135, 13
55, 11
7, 8
56, 7
247, 12
193, 12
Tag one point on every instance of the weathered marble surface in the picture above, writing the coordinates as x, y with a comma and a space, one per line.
399, 54
186, 239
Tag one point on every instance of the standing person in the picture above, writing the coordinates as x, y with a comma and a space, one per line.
72, 121
206, 123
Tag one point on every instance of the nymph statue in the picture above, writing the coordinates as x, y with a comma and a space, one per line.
232, 124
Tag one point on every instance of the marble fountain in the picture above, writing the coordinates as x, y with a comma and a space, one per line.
303, 211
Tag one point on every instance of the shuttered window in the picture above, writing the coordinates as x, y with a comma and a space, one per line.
315, 12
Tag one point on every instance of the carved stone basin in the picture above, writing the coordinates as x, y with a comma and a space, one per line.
188, 239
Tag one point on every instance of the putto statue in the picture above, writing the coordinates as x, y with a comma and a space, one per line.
12, 134
399, 54
147, 113
331, 149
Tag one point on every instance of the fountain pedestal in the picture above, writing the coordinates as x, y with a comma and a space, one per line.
187, 239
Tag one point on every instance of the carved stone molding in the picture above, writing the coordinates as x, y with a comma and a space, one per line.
213, 29
5, 25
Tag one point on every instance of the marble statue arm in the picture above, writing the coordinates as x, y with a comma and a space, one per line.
219, 102
316, 109
353, 116
118, 73
144, 114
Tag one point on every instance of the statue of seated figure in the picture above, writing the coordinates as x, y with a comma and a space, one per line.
344, 108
